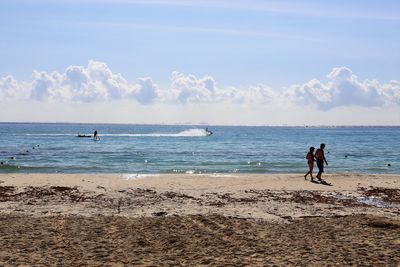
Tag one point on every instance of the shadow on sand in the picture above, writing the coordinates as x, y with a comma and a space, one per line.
323, 182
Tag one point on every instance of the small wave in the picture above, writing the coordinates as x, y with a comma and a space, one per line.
15, 168
137, 176
8, 167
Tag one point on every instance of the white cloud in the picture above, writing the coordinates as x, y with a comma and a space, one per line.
344, 89
147, 91
47, 86
189, 89
391, 92
13, 89
96, 82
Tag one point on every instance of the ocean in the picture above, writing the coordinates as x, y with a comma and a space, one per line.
153, 149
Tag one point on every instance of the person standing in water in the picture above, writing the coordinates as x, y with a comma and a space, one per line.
320, 156
310, 161
95, 135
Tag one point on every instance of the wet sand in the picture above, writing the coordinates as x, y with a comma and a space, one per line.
201, 220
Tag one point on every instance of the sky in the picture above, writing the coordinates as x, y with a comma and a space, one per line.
211, 62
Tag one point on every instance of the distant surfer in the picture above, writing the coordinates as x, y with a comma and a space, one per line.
208, 132
95, 137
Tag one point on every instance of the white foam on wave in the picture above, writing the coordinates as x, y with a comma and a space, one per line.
193, 132
51, 134
137, 176
186, 133
207, 174
189, 133
223, 175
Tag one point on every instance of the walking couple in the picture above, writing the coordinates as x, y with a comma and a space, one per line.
319, 156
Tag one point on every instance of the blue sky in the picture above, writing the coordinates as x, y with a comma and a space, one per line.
238, 43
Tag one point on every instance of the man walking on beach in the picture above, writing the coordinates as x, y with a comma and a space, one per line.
320, 156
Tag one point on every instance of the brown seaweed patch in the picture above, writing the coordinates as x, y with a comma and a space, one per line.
172, 195
8, 193
386, 194
305, 197
384, 223
228, 197
219, 200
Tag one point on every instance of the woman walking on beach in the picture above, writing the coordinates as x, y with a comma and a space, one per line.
310, 162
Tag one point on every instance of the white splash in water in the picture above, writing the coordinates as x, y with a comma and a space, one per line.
185, 133
137, 176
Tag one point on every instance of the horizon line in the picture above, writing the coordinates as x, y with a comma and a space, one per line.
206, 124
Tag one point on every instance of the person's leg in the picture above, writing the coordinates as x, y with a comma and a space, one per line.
320, 165
311, 171
310, 167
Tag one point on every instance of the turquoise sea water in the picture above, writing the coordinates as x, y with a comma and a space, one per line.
50, 148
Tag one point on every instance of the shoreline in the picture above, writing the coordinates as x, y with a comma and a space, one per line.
339, 180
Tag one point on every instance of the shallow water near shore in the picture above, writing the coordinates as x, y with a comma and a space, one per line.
151, 149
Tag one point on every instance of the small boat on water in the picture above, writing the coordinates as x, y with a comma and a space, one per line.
84, 135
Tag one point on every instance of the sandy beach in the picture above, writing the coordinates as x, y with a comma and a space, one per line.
199, 220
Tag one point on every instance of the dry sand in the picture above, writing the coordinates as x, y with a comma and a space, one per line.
199, 220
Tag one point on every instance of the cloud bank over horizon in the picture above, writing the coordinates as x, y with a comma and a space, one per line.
96, 82
189, 98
